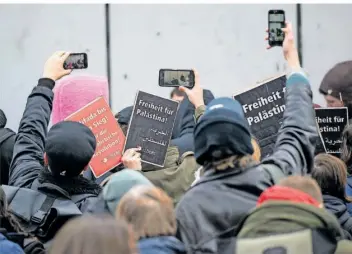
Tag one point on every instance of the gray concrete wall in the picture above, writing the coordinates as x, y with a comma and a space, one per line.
224, 42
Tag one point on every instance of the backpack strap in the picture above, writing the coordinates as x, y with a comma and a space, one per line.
39, 216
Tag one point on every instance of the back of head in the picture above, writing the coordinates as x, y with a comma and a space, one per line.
119, 184
123, 118
74, 92
149, 210
3, 119
331, 175
347, 148
305, 184
295, 189
227, 115
69, 147
337, 82
92, 235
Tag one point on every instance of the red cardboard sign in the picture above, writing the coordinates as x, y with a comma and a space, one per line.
98, 117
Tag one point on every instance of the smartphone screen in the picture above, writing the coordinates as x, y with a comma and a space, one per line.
276, 23
175, 78
76, 61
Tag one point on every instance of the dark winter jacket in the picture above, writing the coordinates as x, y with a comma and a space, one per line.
7, 142
182, 136
27, 169
221, 198
338, 208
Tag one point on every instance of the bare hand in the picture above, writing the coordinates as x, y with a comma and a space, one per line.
195, 94
131, 159
54, 66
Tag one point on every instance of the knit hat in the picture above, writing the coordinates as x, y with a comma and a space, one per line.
222, 131
74, 92
3, 119
119, 184
69, 147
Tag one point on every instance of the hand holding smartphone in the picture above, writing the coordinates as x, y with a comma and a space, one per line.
76, 61
276, 21
176, 78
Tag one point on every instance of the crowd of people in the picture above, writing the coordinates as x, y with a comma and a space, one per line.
215, 193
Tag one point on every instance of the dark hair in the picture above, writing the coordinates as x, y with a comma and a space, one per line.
92, 235
176, 92
305, 184
347, 148
331, 174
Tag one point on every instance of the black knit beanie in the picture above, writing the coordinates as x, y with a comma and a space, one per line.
221, 132
69, 147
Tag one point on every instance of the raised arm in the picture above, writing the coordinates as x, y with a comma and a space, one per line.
294, 148
28, 153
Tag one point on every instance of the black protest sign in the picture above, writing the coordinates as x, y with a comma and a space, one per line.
151, 127
331, 123
264, 108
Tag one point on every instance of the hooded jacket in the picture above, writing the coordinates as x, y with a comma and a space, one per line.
220, 199
338, 208
279, 217
161, 245
27, 169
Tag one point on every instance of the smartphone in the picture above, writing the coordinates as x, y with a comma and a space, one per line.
76, 61
175, 78
276, 20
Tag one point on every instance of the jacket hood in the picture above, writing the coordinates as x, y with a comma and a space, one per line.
8, 247
284, 216
74, 92
161, 245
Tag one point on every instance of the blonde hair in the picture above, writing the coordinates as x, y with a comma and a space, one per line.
149, 211
92, 235
256, 148
305, 184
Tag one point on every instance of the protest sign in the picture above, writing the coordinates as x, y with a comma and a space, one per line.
264, 107
151, 127
331, 123
109, 136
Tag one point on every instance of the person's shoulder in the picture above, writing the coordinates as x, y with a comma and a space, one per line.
8, 247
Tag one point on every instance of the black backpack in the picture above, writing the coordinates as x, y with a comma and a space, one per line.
39, 213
